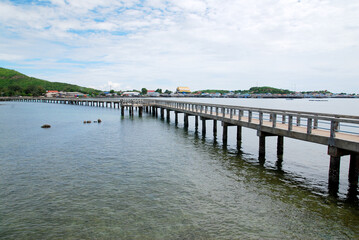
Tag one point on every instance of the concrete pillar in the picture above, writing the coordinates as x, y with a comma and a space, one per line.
239, 135
262, 145
354, 169
334, 168
279, 162
168, 115
203, 126
225, 133
185, 120
162, 113
215, 128
334, 171
140, 109
176, 118
196, 122
122, 111
280, 142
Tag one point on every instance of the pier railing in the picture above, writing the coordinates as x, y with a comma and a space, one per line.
331, 124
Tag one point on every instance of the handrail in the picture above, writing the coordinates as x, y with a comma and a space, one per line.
263, 109
237, 112
319, 116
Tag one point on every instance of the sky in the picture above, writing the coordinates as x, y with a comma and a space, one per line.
299, 45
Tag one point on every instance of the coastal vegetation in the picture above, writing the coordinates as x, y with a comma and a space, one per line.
252, 90
14, 83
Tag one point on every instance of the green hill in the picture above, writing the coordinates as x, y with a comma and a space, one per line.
269, 90
14, 83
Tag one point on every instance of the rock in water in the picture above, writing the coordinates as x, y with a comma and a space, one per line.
45, 126
88, 121
99, 120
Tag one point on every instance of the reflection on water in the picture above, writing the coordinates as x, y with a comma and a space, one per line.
142, 178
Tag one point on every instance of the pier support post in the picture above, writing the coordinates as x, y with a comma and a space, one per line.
122, 111
334, 171
225, 133
354, 169
214, 128
140, 109
203, 126
239, 136
280, 142
334, 168
185, 120
262, 146
176, 118
196, 122
162, 113
168, 115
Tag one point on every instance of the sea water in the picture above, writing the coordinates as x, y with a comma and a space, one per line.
143, 178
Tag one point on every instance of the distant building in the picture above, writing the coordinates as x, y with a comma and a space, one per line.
183, 90
152, 93
52, 93
130, 94
74, 94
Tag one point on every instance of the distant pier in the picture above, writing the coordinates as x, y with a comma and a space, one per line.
339, 132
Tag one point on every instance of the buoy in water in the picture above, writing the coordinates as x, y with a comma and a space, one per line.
45, 126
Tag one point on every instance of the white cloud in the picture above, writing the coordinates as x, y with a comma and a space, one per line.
201, 44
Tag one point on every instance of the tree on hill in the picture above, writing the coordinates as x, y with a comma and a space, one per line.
14, 83
144, 91
263, 90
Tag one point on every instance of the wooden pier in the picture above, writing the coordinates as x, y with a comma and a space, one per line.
339, 132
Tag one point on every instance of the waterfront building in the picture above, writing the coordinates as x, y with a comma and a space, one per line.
52, 93
130, 94
183, 90
152, 93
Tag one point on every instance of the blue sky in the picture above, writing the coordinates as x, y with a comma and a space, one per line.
202, 44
